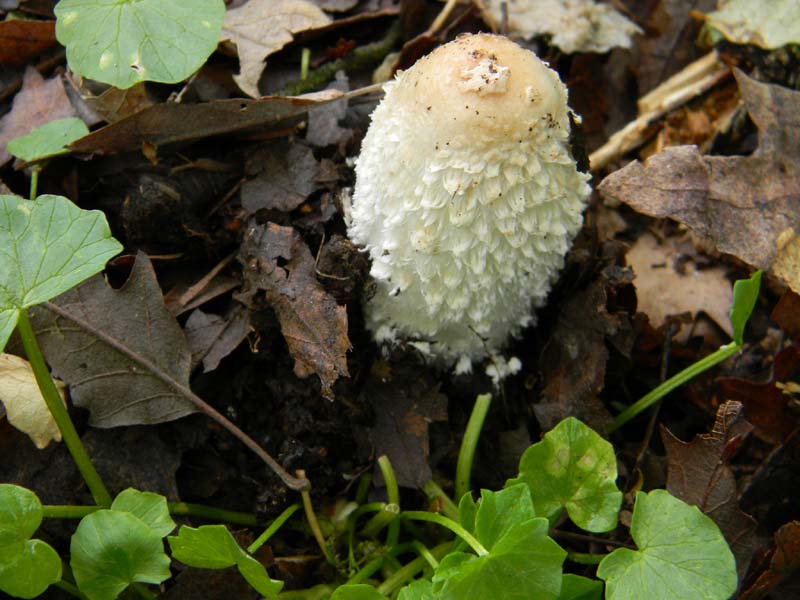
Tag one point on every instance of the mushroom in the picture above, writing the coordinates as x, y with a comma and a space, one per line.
467, 198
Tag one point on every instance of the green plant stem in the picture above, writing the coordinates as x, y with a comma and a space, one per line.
70, 588
56, 407
273, 527
387, 515
211, 513
35, 180
673, 382
143, 592
305, 60
421, 515
318, 592
434, 492
65, 511
376, 563
311, 517
423, 551
408, 571
469, 443
584, 558
393, 493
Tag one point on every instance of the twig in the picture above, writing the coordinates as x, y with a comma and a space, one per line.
295, 483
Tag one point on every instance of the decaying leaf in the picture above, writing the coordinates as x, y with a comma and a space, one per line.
284, 176
38, 102
769, 25
315, 328
24, 39
405, 405
769, 406
261, 27
662, 290
784, 562
25, 407
212, 337
699, 473
747, 206
576, 25
116, 390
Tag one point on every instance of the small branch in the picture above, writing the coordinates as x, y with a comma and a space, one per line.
298, 484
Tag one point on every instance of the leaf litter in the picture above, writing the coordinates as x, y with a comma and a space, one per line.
276, 339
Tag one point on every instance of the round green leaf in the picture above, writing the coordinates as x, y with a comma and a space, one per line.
682, 554
151, 508
499, 512
20, 514
28, 568
418, 590
123, 42
48, 140
575, 587
525, 563
573, 468
112, 549
46, 247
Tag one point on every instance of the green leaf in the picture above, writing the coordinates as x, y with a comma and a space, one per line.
213, 547
48, 140
28, 568
573, 468
151, 508
123, 42
682, 554
575, 587
46, 247
20, 514
358, 591
419, 590
499, 512
467, 509
525, 563
745, 295
112, 549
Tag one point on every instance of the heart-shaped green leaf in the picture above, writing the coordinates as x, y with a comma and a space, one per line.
123, 42
46, 247
682, 554
48, 140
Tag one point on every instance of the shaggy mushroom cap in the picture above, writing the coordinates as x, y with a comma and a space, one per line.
467, 197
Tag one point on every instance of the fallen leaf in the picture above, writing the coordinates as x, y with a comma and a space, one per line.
785, 560
25, 407
283, 176
747, 206
787, 314
405, 405
261, 27
277, 261
323, 121
770, 406
573, 363
663, 291
171, 123
698, 472
115, 389
769, 25
22, 40
335, 5
212, 337
38, 102
575, 25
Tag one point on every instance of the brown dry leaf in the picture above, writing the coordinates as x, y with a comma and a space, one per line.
747, 206
283, 176
787, 314
22, 40
770, 406
212, 337
261, 27
315, 328
663, 291
38, 102
698, 473
25, 407
169, 123
785, 561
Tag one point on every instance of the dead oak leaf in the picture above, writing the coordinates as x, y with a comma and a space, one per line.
261, 27
315, 328
698, 473
785, 560
747, 206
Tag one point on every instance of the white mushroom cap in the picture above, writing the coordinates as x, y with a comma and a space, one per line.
466, 196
